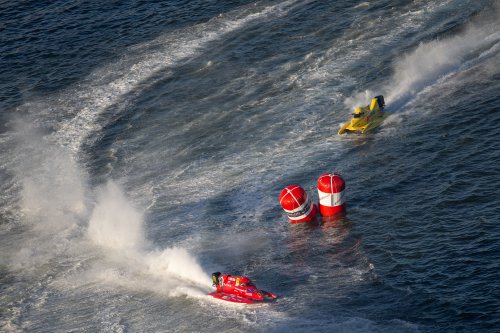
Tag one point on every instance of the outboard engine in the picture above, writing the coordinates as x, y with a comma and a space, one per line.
215, 278
380, 101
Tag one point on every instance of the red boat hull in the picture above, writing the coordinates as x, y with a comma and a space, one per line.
242, 299
231, 298
237, 289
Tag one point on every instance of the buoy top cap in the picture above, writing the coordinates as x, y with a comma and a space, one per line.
330, 181
293, 197
294, 191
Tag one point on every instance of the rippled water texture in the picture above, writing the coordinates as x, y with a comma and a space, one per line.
144, 145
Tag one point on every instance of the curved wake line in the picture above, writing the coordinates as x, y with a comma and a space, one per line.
113, 224
432, 62
102, 90
435, 60
172, 272
65, 220
360, 44
117, 227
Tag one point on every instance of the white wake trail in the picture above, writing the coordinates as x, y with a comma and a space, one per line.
432, 61
117, 228
59, 204
109, 85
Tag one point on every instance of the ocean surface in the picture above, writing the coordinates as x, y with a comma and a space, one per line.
144, 144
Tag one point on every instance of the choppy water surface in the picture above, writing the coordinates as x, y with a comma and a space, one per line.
144, 146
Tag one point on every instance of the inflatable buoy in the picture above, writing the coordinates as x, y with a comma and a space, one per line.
296, 204
331, 194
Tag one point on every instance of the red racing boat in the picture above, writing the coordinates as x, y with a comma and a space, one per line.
238, 289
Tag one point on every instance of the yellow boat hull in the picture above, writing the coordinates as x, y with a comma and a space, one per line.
366, 119
373, 123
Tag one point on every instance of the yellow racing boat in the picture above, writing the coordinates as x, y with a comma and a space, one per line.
365, 119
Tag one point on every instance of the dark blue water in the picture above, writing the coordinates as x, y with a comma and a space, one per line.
144, 146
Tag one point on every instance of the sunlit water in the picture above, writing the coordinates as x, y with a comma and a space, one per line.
144, 146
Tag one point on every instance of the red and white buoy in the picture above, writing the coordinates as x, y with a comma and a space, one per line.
296, 204
331, 194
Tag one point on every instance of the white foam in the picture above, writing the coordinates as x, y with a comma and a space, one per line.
360, 43
131, 261
114, 223
365, 4
176, 261
53, 194
172, 272
110, 85
359, 99
66, 219
431, 61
